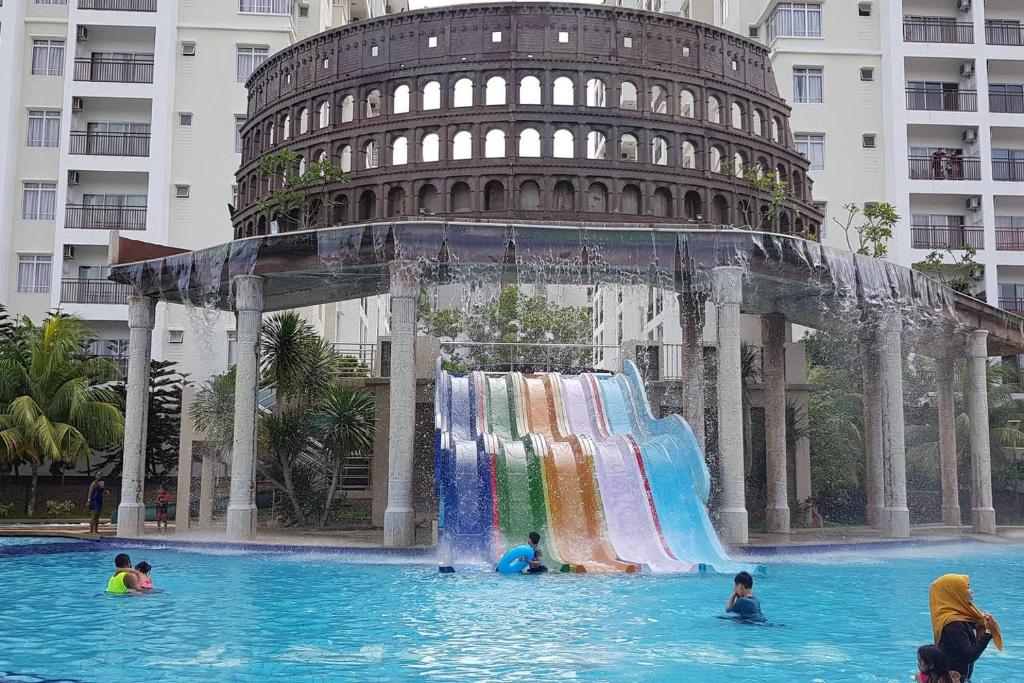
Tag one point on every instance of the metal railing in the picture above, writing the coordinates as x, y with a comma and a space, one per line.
357, 359
119, 5
94, 291
105, 217
1003, 32
948, 100
113, 71
943, 237
1009, 239
945, 167
1008, 169
110, 144
1006, 102
119, 361
935, 30
1012, 305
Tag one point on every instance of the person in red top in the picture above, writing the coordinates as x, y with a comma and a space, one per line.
163, 499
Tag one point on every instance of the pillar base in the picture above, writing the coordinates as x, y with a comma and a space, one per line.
951, 516
399, 527
131, 520
734, 525
896, 522
984, 520
875, 517
241, 524
777, 520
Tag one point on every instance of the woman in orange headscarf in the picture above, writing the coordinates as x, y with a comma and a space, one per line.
961, 630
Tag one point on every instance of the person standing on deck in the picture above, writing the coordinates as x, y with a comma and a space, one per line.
94, 502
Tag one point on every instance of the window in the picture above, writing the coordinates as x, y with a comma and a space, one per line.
687, 104
265, 6
627, 41
462, 145
463, 93
430, 147
597, 145
182, 191
374, 50
432, 41
175, 336
248, 59
185, 118
239, 122
38, 201
864, 9
373, 104
563, 36
807, 84
34, 273
400, 100
188, 49
867, 73
47, 57
812, 146
494, 144
494, 92
44, 128
529, 143
869, 140
597, 93
795, 20
232, 347
563, 91
400, 151
495, 36
372, 157
564, 145
50, 2
529, 90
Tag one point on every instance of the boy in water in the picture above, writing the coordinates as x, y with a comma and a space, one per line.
537, 563
124, 580
742, 602
163, 499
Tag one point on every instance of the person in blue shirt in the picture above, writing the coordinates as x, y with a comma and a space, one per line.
537, 563
742, 602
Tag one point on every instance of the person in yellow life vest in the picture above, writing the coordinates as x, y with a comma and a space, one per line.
124, 580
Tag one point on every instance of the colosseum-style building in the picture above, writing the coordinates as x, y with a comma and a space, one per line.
527, 111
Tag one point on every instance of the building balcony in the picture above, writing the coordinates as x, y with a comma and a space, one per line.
1012, 305
1008, 169
118, 360
1004, 32
937, 30
951, 100
119, 5
113, 71
94, 292
945, 237
81, 217
1009, 239
110, 144
1006, 102
945, 167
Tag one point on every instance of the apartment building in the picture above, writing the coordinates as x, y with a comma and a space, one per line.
122, 115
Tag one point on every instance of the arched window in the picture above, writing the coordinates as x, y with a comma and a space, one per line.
495, 92
261, 226
431, 95
689, 158
462, 145
373, 104
564, 144
739, 164
762, 167
630, 200
597, 93
348, 108
597, 145
257, 142
396, 202
529, 143
463, 96
737, 115
659, 100
341, 210
780, 173
461, 198
661, 204
687, 104
744, 213
563, 91
529, 196
494, 196
714, 109
345, 159
371, 154
659, 151
716, 154
300, 168
400, 151
597, 198
303, 121
367, 205
628, 96
286, 127
784, 223
400, 104
776, 129
720, 210
324, 115
798, 185
757, 123
430, 148
271, 134
629, 148
429, 201
529, 90
322, 157
565, 197
693, 206
494, 144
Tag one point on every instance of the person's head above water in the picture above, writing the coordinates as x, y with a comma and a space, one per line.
744, 579
534, 538
932, 660
122, 561
144, 567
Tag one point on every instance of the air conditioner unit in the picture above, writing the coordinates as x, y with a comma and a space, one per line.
963, 5
77, 104
69, 251
967, 69
83, 34
973, 203
971, 135
74, 177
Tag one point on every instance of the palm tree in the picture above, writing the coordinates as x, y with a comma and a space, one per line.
750, 373
346, 418
57, 403
213, 411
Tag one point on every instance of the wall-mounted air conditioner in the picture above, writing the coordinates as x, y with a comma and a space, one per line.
973, 203
74, 177
971, 135
83, 34
963, 5
77, 104
967, 69
69, 251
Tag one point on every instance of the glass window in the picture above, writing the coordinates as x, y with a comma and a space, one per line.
38, 201
795, 20
34, 273
808, 83
47, 57
812, 146
239, 122
44, 128
248, 59
265, 6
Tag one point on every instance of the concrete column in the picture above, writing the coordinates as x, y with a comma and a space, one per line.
727, 293
874, 473
982, 513
241, 522
399, 516
895, 515
947, 441
802, 465
691, 322
183, 493
131, 511
773, 338
206, 489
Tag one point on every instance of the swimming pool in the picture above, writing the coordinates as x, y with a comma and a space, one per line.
242, 616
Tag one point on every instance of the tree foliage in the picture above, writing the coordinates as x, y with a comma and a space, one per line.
961, 273
298, 188
872, 232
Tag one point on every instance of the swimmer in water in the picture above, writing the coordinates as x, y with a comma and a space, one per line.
125, 579
536, 564
742, 602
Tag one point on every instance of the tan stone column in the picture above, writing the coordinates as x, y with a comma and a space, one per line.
895, 514
874, 474
691, 322
773, 352
131, 511
983, 514
206, 482
944, 374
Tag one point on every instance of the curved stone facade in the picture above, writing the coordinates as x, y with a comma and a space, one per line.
526, 111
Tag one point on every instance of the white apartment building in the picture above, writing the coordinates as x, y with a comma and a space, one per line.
118, 115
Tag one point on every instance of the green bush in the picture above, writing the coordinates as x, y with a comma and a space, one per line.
59, 509
6, 509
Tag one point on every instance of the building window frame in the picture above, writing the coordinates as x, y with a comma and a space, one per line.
43, 128
34, 273
248, 58
47, 57
808, 85
812, 146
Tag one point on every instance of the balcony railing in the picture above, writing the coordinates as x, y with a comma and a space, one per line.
110, 144
1006, 102
944, 237
94, 292
119, 5
119, 361
1012, 305
105, 217
113, 71
1003, 32
934, 30
950, 100
1008, 169
1009, 239
945, 167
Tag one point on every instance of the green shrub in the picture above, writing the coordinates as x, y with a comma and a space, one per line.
6, 509
59, 509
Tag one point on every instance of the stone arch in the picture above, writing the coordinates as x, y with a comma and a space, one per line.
659, 151
563, 92
431, 96
345, 159
693, 205
737, 115
530, 90
461, 197
462, 94
373, 104
396, 201
348, 108
494, 91
323, 119
687, 104
659, 99
597, 145
340, 209
494, 144
400, 151
629, 147
661, 203
784, 223
529, 196
429, 201
630, 200
462, 145
261, 226
286, 127
798, 184
597, 93
776, 129
529, 143
716, 155
430, 148
757, 123
371, 155
714, 109
564, 145
303, 121
564, 197
367, 206
689, 155
494, 196
400, 99
720, 210
629, 98
597, 198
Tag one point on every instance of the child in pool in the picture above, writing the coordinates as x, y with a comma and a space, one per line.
933, 666
536, 564
742, 602
142, 570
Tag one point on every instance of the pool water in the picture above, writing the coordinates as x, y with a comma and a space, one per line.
225, 616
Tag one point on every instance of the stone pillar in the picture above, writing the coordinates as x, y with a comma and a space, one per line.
183, 493
874, 473
241, 522
895, 515
802, 466
131, 511
206, 489
773, 338
691, 322
983, 515
399, 516
947, 441
727, 293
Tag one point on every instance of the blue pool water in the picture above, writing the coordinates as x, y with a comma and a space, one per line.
850, 616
